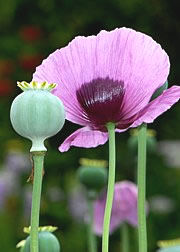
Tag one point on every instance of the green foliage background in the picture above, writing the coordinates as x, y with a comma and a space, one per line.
58, 23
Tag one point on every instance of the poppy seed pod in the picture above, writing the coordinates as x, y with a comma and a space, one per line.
170, 249
169, 245
47, 243
36, 113
151, 141
92, 174
92, 177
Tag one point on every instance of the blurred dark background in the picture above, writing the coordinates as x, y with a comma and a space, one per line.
29, 32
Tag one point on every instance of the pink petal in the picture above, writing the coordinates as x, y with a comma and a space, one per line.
125, 202
120, 130
123, 54
84, 137
137, 60
124, 207
158, 106
132, 218
99, 207
126, 194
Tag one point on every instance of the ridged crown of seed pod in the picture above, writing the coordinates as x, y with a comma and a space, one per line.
36, 113
47, 241
92, 173
169, 245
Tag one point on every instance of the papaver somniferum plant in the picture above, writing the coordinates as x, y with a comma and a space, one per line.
93, 175
106, 83
37, 114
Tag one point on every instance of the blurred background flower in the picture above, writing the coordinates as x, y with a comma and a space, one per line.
8, 187
124, 207
161, 204
30, 33
170, 151
6, 88
77, 202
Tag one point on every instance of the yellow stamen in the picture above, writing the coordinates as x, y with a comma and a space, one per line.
36, 85
40, 229
169, 243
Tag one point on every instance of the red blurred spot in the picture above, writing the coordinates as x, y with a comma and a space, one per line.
6, 87
6, 67
30, 33
29, 62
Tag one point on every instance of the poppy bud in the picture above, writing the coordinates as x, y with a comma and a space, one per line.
151, 141
93, 175
36, 113
159, 91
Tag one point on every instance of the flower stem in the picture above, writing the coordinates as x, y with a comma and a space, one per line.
142, 233
91, 236
110, 190
125, 237
38, 160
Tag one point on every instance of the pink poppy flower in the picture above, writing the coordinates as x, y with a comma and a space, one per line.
124, 208
110, 77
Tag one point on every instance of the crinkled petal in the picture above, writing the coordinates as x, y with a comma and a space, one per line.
120, 130
122, 55
158, 106
135, 59
84, 137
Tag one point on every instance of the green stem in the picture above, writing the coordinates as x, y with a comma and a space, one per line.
125, 237
38, 160
91, 236
135, 239
110, 190
142, 233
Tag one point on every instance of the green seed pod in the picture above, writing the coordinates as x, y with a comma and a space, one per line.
151, 141
170, 249
159, 91
92, 175
47, 243
169, 245
36, 113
